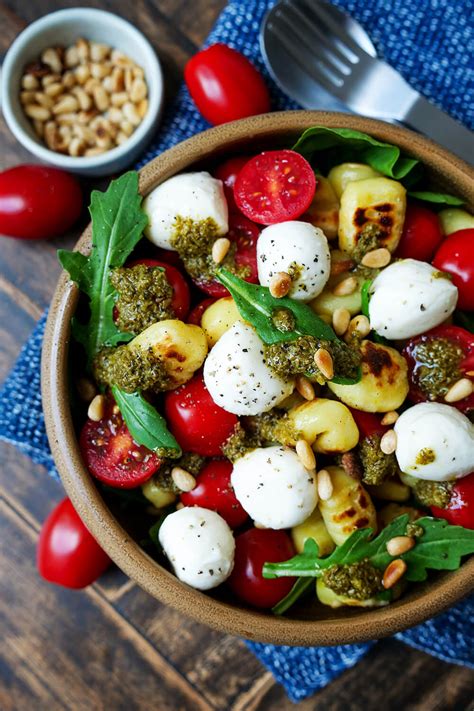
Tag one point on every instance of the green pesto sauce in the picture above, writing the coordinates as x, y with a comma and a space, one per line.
192, 463
144, 297
433, 493
437, 366
257, 431
291, 358
425, 456
415, 530
131, 369
442, 275
283, 320
294, 271
378, 467
369, 239
359, 581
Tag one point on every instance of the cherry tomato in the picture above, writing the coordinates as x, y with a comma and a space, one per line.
245, 234
181, 296
214, 491
67, 554
112, 456
196, 313
225, 86
414, 357
169, 256
421, 234
275, 186
368, 424
252, 549
460, 510
227, 172
37, 202
456, 256
199, 425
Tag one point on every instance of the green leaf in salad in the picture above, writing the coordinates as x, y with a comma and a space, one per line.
297, 591
146, 425
436, 198
117, 226
365, 297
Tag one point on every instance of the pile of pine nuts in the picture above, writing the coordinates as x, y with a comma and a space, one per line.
85, 99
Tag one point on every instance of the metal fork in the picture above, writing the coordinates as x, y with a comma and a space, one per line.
311, 36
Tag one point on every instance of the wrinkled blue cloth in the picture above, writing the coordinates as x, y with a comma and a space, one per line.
428, 42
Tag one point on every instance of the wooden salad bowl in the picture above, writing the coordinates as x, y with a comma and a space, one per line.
306, 624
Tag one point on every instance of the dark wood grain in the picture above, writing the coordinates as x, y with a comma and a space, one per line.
113, 647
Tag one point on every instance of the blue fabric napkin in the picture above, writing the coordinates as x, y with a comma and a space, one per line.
428, 42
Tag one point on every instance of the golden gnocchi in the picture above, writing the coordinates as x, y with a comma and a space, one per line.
327, 425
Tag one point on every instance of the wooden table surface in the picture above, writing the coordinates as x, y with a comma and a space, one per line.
112, 646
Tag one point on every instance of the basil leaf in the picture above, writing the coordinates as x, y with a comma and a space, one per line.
146, 425
298, 589
365, 297
117, 225
437, 198
154, 530
465, 320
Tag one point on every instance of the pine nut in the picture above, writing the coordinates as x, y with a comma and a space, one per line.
393, 572
84, 100
82, 48
119, 99
116, 409
98, 51
99, 71
50, 79
50, 134
390, 418
115, 115
377, 258
325, 485
51, 58
305, 454
53, 89
128, 80
68, 79
183, 479
44, 100
345, 287
127, 128
71, 57
400, 544
82, 73
76, 146
142, 108
121, 138
101, 98
459, 390
323, 360
68, 119
388, 443
37, 112
86, 389
66, 104
27, 97
340, 321
219, 249
470, 373
138, 90
305, 387
96, 151
360, 325
341, 267
131, 114
280, 284
29, 82
118, 82
96, 410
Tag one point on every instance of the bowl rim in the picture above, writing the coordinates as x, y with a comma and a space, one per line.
360, 626
56, 19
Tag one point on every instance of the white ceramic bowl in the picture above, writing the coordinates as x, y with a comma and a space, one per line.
63, 28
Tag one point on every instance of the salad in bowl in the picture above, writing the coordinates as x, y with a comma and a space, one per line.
273, 369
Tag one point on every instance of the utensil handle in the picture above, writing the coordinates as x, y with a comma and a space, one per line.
436, 124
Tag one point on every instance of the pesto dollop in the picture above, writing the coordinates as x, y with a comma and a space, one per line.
257, 431
433, 493
369, 239
284, 320
290, 358
193, 463
131, 369
437, 366
378, 467
359, 581
144, 297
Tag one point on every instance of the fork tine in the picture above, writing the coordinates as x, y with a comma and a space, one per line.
345, 40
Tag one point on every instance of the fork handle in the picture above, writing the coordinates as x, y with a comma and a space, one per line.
436, 124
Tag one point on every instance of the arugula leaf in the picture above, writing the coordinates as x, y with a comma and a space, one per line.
465, 320
155, 529
438, 198
117, 225
146, 425
365, 296
298, 589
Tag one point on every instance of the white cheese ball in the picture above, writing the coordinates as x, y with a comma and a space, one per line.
408, 298
274, 488
435, 442
190, 195
199, 545
237, 376
297, 244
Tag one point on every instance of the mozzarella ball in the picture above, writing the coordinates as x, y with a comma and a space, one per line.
237, 376
435, 442
197, 196
408, 298
274, 488
199, 545
299, 247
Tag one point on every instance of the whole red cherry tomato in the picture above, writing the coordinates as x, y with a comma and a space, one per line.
245, 234
214, 491
181, 297
225, 86
67, 554
275, 186
38, 202
423, 368
421, 234
196, 313
456, 256
368, 424
198, 424
460, 510
227, 172
252, 549
112, 456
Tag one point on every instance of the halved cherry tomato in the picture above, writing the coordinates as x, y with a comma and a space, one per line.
227, 172
198, 424
181, 297
196, 313
252, 549
454, 334
111, 454
368, 424
460, 511
245, 234
421, 234
275, 186
67, 553
456, 256
37, 202
214, 491
225, 86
